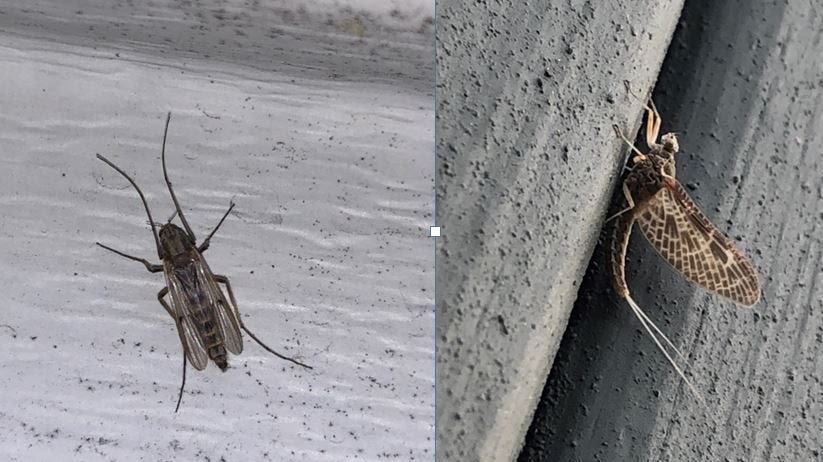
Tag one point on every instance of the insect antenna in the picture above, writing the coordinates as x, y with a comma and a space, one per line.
142, 198
159, 224
172, 217
168, 183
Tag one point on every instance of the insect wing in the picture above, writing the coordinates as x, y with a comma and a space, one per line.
687, 240
224, 313
182, 290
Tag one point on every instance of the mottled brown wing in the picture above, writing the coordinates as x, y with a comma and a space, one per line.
685, 238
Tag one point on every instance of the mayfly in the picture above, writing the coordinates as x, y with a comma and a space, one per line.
676, 229
208, 325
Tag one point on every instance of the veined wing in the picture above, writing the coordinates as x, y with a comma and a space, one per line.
687, 240
183, 290
224, 313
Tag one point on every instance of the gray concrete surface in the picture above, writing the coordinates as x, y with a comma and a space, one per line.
527, 93
743, 86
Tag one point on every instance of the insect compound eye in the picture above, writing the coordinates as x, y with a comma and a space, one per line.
670, 142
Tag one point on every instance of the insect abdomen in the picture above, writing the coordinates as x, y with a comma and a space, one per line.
212, 339
617, 252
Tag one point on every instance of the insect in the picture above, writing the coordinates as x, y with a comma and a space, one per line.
676, 229
207, 322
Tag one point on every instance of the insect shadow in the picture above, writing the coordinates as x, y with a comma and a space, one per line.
208, 324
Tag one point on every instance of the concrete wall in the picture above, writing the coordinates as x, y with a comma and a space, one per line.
527, 160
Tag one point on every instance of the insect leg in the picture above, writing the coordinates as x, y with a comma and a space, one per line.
178, 321
651, 123
628, 195
653, 118
161, 298
182, 385
205, 244
149, 266
631, 145
656, 126
225, 281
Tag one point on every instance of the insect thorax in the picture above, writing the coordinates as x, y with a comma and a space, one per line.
175, 242
646, 177
662, 157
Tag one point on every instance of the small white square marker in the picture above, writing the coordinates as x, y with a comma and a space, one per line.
434, 231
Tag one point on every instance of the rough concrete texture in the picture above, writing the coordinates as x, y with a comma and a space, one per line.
527, 93
742, 85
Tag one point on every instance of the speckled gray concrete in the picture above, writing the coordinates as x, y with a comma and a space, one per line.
743, 87
527, 94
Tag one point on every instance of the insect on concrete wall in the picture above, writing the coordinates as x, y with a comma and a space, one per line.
676, 229
207, 322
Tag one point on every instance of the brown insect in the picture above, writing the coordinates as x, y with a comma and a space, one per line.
676, 229
207, 323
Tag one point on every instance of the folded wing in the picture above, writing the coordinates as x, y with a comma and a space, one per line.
182, 290
224, 313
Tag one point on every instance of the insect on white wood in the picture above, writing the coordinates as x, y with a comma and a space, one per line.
207, 322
